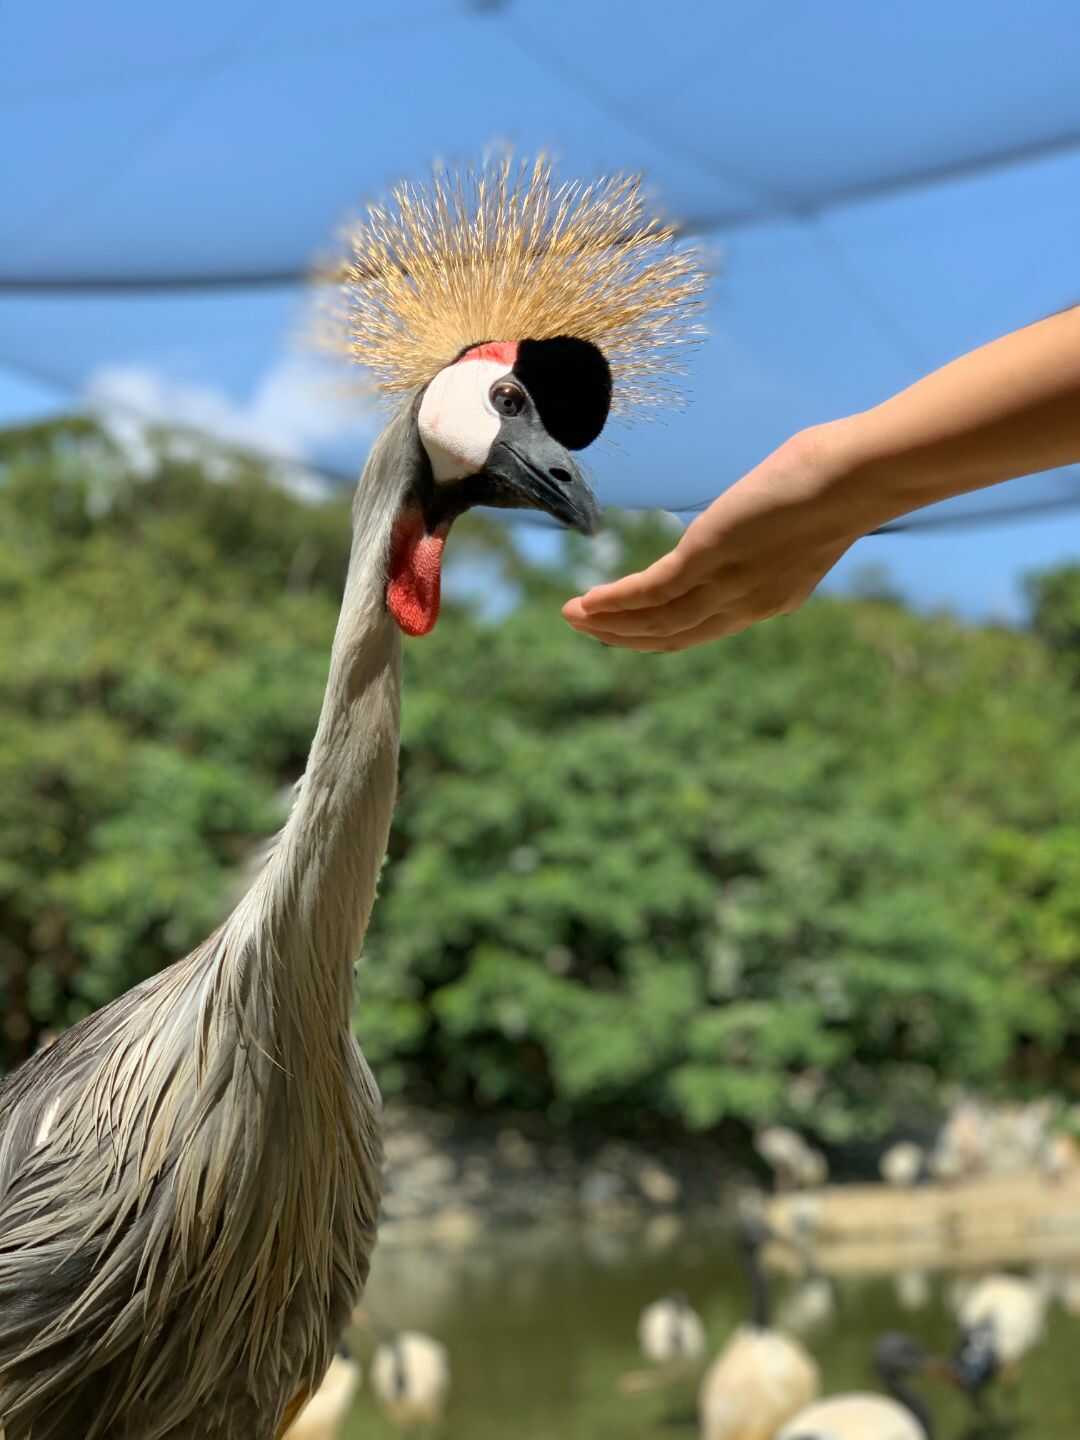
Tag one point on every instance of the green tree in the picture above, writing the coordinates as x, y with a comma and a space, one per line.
815, 872
1054, 597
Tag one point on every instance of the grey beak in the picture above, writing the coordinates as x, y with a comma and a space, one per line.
535, 472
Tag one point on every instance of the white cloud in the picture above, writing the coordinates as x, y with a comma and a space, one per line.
297, 406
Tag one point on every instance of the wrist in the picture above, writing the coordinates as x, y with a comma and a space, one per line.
864, 472
839, 475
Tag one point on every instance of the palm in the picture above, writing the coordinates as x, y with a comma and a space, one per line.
758, 551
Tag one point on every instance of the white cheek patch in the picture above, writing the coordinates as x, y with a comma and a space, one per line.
456, 420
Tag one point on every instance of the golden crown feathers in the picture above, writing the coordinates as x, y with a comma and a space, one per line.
502, 252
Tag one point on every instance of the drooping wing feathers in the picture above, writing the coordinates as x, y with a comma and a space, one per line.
502, 253
210, 1261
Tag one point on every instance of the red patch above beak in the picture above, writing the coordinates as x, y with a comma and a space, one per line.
414, 590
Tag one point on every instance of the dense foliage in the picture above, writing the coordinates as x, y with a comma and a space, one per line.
815, 872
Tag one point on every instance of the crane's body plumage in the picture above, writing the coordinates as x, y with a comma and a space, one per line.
189, 1179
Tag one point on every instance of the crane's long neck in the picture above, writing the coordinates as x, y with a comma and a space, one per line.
306, 916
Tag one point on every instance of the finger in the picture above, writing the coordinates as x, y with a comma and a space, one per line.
662, 581
683, 613
715, 628
624, 642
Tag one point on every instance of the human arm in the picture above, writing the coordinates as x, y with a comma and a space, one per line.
1009, 408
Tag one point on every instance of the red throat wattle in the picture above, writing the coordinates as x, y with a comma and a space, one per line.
413, 591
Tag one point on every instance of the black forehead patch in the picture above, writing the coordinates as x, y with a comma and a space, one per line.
570, 384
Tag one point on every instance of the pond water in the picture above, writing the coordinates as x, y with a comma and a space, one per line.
541, 1328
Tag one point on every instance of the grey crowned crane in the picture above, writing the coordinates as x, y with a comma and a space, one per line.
190, 1178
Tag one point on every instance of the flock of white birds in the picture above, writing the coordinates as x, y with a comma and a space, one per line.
976, 1139
764, 1384
980, 1139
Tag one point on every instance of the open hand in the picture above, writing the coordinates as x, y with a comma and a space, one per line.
758, 551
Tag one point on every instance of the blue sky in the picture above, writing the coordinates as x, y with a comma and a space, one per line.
880, 188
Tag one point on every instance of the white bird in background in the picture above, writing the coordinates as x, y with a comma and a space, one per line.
325, 1413
963, 1143
901, 1415
762, 1377
903, 1164
670, 1332
795, 1164
410, 1378
1001, 1318
1017, 1137
1059, 1157
672, 1338
1017, 1309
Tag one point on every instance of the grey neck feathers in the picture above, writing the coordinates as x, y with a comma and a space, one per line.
305, 917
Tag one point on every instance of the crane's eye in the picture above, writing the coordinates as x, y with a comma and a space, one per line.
507, 399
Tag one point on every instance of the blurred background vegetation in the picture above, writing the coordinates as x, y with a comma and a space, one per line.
817, 873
